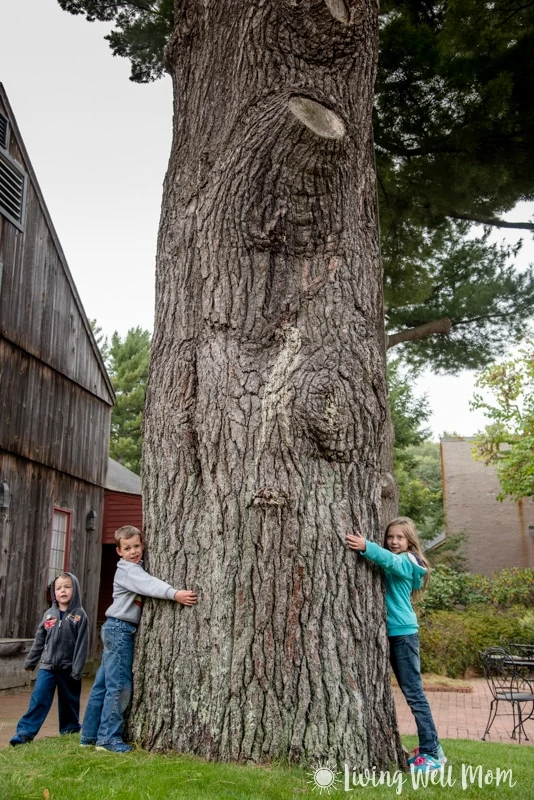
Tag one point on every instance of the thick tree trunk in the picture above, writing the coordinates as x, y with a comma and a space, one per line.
266, 403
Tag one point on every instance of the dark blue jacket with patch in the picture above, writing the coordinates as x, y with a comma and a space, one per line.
61, 643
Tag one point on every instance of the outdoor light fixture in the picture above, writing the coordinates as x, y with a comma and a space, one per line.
4, 495
90, 520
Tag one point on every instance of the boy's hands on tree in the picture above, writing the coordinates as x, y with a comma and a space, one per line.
185, 597
356, 541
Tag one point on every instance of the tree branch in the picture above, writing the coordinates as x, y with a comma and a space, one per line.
443, 326
397, 149
494, 221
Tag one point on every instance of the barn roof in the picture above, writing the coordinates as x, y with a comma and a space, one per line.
121, 479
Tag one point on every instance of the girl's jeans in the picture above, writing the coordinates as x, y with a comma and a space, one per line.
406, 664
112, 689
68, 695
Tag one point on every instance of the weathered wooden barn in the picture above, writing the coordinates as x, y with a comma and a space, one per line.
55, 405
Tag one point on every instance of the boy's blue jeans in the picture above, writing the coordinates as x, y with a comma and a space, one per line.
112, 689
68, 695
406, 664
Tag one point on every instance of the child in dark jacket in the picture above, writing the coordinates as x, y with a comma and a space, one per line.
60, 647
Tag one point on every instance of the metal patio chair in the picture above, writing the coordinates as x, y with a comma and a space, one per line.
508, 687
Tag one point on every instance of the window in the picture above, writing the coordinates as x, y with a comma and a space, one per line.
3, 131
12, 188
60, 543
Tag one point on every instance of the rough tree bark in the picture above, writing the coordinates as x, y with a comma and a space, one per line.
266, 403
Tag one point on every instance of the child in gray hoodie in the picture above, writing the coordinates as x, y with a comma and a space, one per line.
60, 648
112, 689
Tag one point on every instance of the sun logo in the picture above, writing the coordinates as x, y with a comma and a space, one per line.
324, 779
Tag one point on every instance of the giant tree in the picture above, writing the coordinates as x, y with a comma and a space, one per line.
266, 398
266, 410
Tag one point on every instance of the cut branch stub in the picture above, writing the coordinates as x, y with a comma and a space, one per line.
321, 120
339, 10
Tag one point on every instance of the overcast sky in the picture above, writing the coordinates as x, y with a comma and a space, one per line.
99, 145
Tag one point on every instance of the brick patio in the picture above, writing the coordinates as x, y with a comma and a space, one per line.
458, 715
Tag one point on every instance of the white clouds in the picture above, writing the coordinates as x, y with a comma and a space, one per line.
99, 145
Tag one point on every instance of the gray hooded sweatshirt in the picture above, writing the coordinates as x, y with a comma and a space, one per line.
130, 584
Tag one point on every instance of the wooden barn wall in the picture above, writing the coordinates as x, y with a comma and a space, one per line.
39, 308
47, 418
120, 509
25, 531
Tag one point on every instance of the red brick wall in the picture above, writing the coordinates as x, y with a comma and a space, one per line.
497, 533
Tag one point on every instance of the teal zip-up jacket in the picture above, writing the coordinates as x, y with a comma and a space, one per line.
403, 575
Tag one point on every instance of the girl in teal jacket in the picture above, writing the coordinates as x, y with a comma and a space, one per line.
405, 572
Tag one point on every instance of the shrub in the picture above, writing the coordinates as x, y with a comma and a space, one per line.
526, 624
451, 640
512, 587
449, 588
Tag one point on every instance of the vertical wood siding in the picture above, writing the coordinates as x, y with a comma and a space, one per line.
40, 310
120, 509
48, 419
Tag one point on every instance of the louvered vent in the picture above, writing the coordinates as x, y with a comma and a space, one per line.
3, 131
11, 191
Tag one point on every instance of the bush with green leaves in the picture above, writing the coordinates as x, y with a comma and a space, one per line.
451, 640
462, 613
449, 589
512, 586
527, 627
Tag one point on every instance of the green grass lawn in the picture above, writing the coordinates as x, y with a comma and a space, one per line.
59, 769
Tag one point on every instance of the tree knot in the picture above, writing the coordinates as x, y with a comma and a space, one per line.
270, 496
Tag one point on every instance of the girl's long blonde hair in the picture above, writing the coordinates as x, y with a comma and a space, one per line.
408, 528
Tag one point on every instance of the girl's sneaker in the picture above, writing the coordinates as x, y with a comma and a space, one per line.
441, 757
425, 763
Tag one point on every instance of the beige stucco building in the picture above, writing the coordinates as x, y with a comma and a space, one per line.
499, 534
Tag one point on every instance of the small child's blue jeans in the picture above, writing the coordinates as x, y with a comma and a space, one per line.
112, 689
406, 664
68, 695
